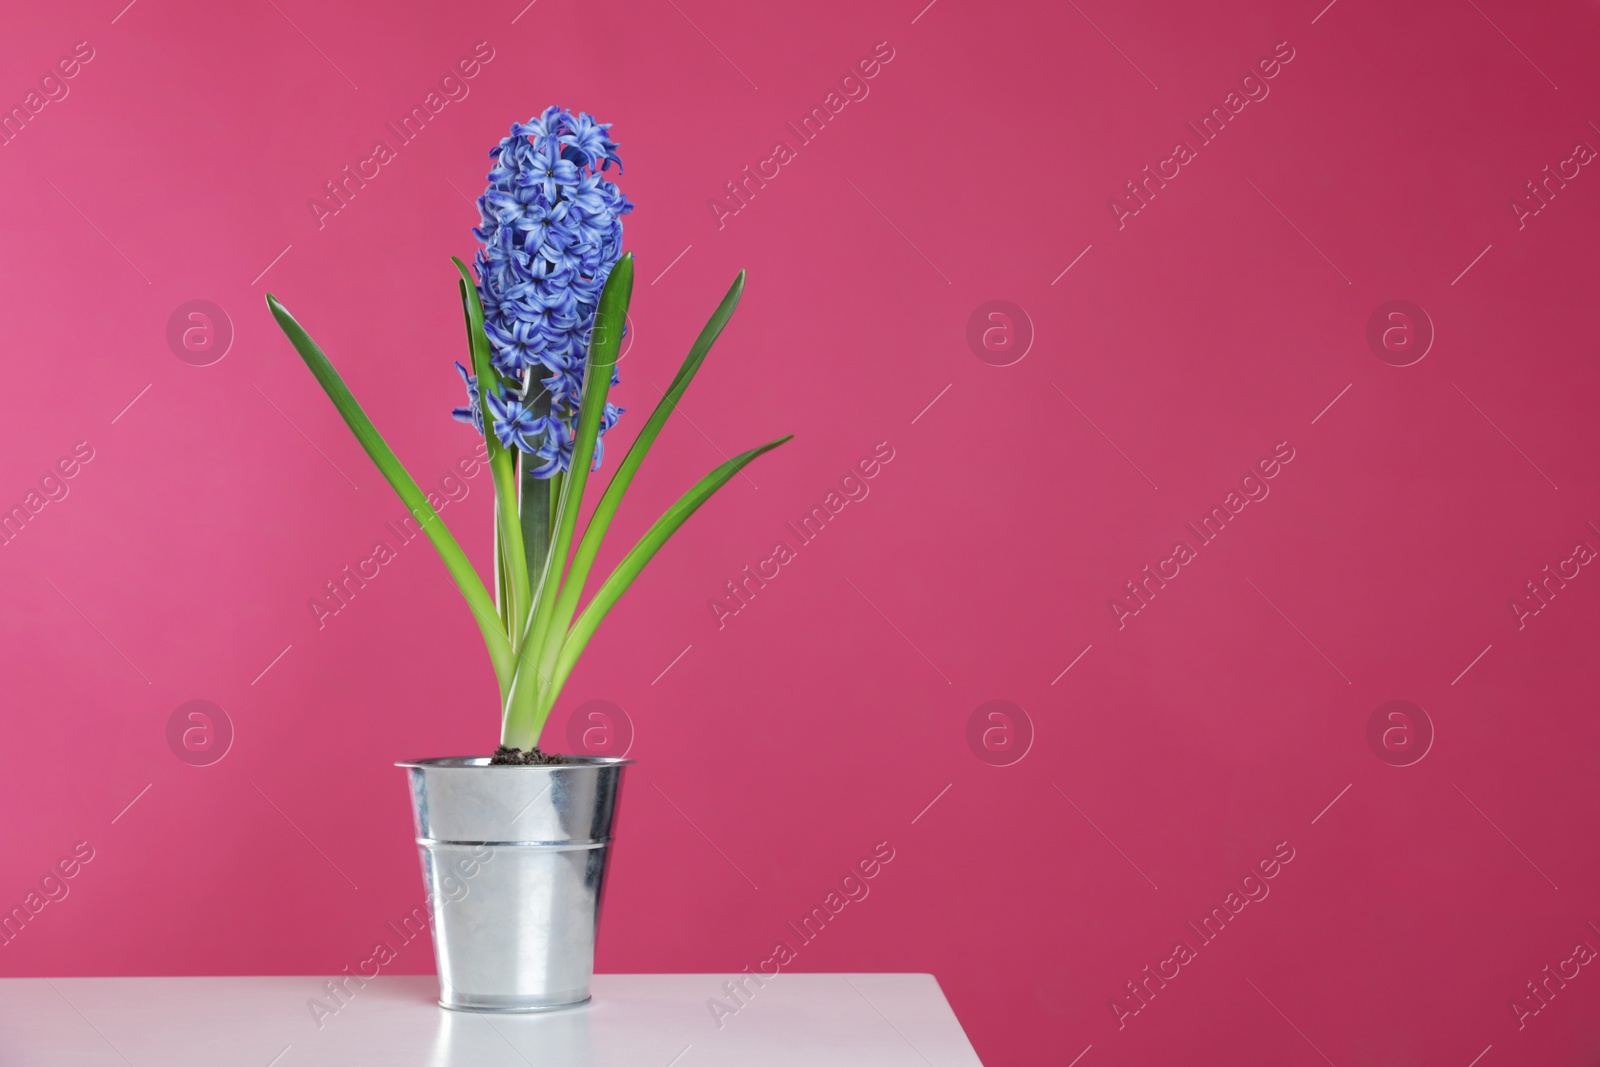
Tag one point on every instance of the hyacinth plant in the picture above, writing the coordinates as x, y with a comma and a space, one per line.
545, 317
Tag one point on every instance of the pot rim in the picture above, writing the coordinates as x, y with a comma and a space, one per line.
474, 763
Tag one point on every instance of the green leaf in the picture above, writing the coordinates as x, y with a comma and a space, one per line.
627, 570
502, 594
466, 579
514, 599
534, 657
600, 521
482, 367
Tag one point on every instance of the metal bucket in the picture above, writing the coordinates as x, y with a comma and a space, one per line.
514, 860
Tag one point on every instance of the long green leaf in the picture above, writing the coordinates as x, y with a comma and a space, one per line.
466, 579
627, 570
605, 345
502, 467
600, 521
504, 598
534, 660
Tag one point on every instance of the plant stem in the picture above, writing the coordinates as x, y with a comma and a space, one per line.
535, 502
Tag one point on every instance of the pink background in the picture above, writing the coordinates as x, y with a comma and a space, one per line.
1177, 752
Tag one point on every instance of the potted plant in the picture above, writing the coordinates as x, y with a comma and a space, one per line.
545, 317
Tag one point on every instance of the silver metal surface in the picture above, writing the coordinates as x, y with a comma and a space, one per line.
514, 860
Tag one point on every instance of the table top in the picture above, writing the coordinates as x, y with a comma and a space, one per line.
641, 1020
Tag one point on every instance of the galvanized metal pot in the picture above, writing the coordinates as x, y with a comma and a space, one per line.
514, 859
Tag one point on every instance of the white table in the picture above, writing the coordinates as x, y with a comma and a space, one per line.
638, 1020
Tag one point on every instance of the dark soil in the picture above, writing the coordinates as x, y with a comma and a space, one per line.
534, 757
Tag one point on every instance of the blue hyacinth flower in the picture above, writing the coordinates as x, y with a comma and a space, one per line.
515, 425
550, 231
